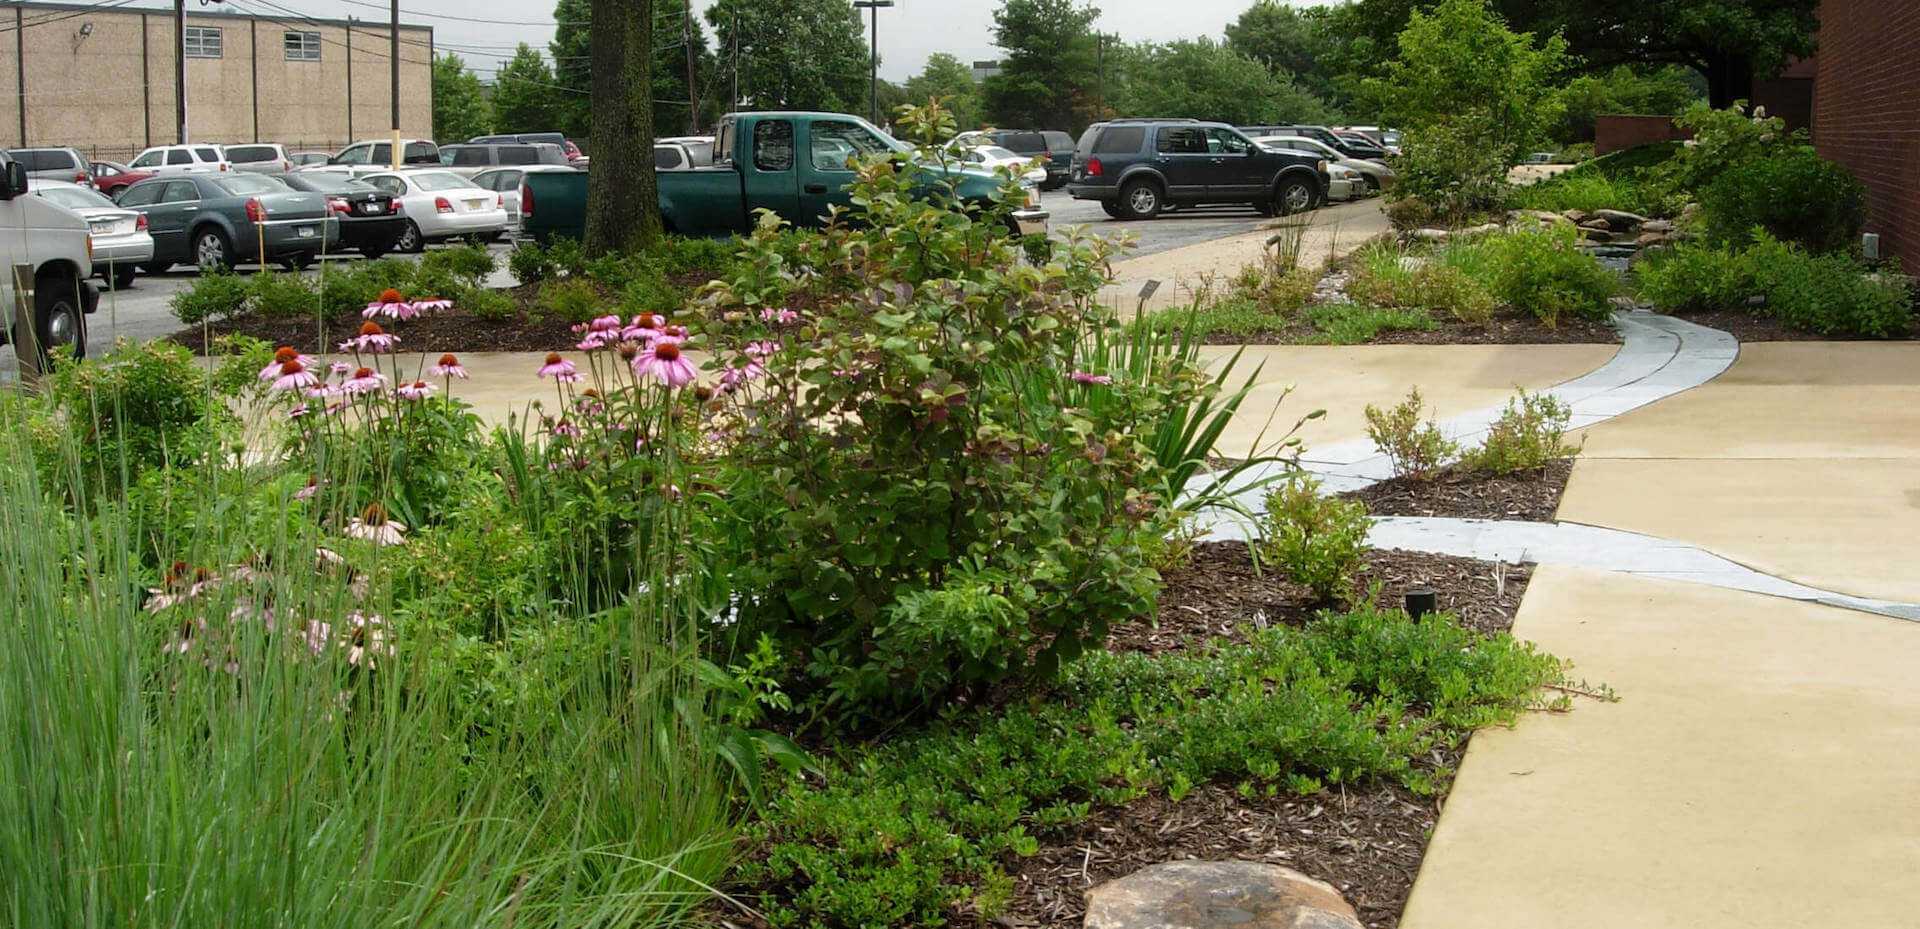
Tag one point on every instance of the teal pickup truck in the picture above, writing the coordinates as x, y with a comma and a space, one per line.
794, 164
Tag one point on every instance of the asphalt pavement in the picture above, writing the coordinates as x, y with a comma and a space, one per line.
1183, 226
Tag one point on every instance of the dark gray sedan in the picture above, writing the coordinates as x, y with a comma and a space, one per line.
216, 220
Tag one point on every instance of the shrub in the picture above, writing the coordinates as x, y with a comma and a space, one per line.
212, 297
1794, 195
1722, 140
1318, 541
529, 263
568, 257
348, 290
573, 299
1828, 294
908, 833
1693, 277
1589, 192
1353, 324
1415, 449
148, 406
489, 304
1385, 275
1544, 274
1530, 433
1452, 173
469, 264
281, 296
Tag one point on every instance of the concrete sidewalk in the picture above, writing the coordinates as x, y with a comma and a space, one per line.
1759, 771
1331, 232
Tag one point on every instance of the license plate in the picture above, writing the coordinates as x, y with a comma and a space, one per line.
475, 204
305, 232
375, 208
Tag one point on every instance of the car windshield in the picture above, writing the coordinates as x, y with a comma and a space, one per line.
249, 154
74, 198
438, 180
247, 185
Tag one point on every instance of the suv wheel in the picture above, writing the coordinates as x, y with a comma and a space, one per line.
210, 251
1140, 200
58, 321
1294, 196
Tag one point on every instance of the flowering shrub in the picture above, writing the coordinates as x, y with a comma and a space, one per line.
924, 496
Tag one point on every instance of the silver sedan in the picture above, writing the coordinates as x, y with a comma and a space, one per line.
120, 242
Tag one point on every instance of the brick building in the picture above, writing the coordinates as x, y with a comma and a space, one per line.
101, 79
1866, 111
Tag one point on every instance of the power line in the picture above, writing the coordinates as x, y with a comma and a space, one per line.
57, 16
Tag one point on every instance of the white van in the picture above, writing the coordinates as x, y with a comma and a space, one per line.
47, 295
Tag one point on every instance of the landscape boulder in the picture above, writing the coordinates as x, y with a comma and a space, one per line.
1620, 220
1650, 238
1218, 895
1596, 234
1575, 216
1656, 225
1430, 235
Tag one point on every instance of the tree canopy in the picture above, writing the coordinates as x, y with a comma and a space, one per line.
1461, 64
1049, 73
951, 80
525, 98
460, 107
792, 54
1208, 80
672, 108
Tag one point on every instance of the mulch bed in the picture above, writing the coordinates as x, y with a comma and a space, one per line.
1506, 328
1527, 495
1750, 326
451, 331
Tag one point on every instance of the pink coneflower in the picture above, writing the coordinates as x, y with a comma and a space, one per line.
762, 349
448, 366
663, 360
418, 390
365, 639
340, 369
183, 637
605, 324
372, 525
1087, 377
317, 636
363, 381
391, 305
293, 376
281, 356
307, 492
559, 369
780, 317
594, 342
372, 339
563, 427
432, 304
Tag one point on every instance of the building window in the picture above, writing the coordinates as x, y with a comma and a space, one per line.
303, 46
203, 41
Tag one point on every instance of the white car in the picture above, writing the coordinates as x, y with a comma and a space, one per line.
506, 183
120, 239
164, 160
375, 156
1376, 175
991, 157
1344, 183
46, 245
441, 205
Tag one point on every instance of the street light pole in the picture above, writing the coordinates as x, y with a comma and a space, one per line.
873, 58
179, 68
393, 52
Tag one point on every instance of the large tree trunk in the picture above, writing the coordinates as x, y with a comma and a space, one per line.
623, 209
1729, 78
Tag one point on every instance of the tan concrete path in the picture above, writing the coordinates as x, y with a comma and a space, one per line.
1342, 380
1759, 771
1331, 232
1803, 461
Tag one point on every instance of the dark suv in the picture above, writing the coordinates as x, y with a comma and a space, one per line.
1053, 145
1138, 167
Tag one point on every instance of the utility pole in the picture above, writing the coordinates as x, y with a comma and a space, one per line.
180, 65
394, 53
733, 105
693, 95
873, 58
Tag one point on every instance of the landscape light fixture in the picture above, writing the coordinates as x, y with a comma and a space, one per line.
873, 58
1421, 601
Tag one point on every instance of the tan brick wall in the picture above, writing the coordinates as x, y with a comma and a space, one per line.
87, 91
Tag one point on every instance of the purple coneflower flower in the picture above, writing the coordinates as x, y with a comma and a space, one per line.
366, 639
418, 390
1087, 377
662, 360
372, 339
340, 369
762, 349
563, 427
559, 369
605, 324
317, 635
449, 366
372, 525
293, 376
307, 492
362, 381
432, 304
594, 342
281, 356
390, 304
781, 317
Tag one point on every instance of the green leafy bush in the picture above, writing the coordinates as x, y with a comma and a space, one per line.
1589, 192
573, 299
1542, 273
907, 833
470, 263
529, 263
489, 304
149, 406
1722, 140
1318, 541
1389, 276
1446, 174
1794, 195
212, 297
1355, 324
283, 296
1414, 449
1530, 432
568, 257
1828, 294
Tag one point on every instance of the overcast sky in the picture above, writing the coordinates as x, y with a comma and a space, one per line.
909, 32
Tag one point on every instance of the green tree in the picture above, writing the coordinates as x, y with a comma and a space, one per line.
1048, 76
1461, 65
674, 31
1300, 45
792, 54
1644, 91
460, 108
951, 80
525, 97
623, 206
1205, 79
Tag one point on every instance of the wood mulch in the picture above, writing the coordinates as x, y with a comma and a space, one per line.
1506, 328
1751, 326
1463, 494
451, 331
